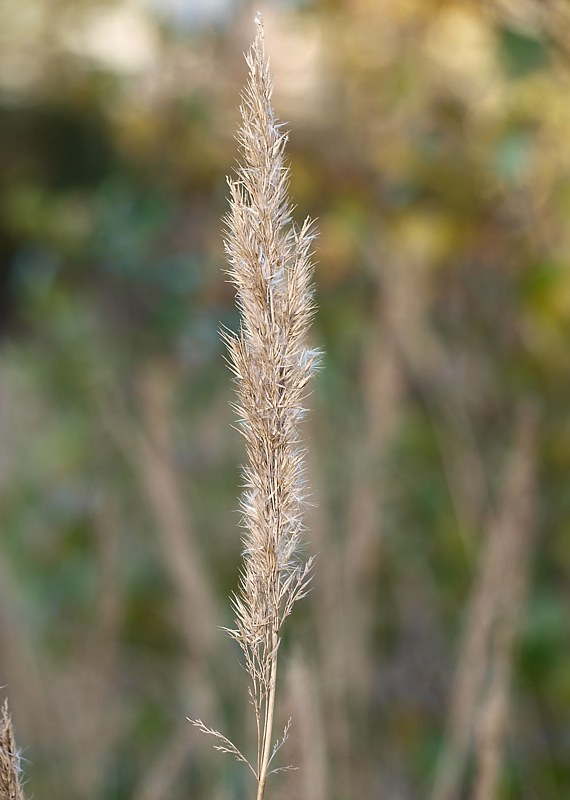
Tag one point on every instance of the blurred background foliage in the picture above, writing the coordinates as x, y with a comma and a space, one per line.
430, 138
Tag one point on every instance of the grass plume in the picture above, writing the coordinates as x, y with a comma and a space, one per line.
10, 785
270, 265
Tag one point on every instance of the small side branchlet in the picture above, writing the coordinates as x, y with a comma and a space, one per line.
270, 265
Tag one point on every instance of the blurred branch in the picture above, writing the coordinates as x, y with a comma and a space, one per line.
382, 384
311, 781
197, 606
159, 780
429, 366
493, 717
148, 450
478, 702
92, 730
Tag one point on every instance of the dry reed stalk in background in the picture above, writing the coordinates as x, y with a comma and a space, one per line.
83, 693
180, 547
407, 284
270, 265
347, 617
302, 687
195, 602
159, 780
479, 694
148, 449
493, 715
10, 785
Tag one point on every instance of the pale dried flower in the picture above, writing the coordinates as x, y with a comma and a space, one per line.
10, 785
270, 265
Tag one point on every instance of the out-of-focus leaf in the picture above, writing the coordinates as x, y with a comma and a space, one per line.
512, 155
521, 53
545, 628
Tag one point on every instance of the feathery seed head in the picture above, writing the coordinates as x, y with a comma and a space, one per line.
269, 262
10, 786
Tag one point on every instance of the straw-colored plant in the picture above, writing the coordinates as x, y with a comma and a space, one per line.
10, 784
270, 266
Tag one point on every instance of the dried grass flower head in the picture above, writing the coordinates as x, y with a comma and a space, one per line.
269, 260
10, 773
